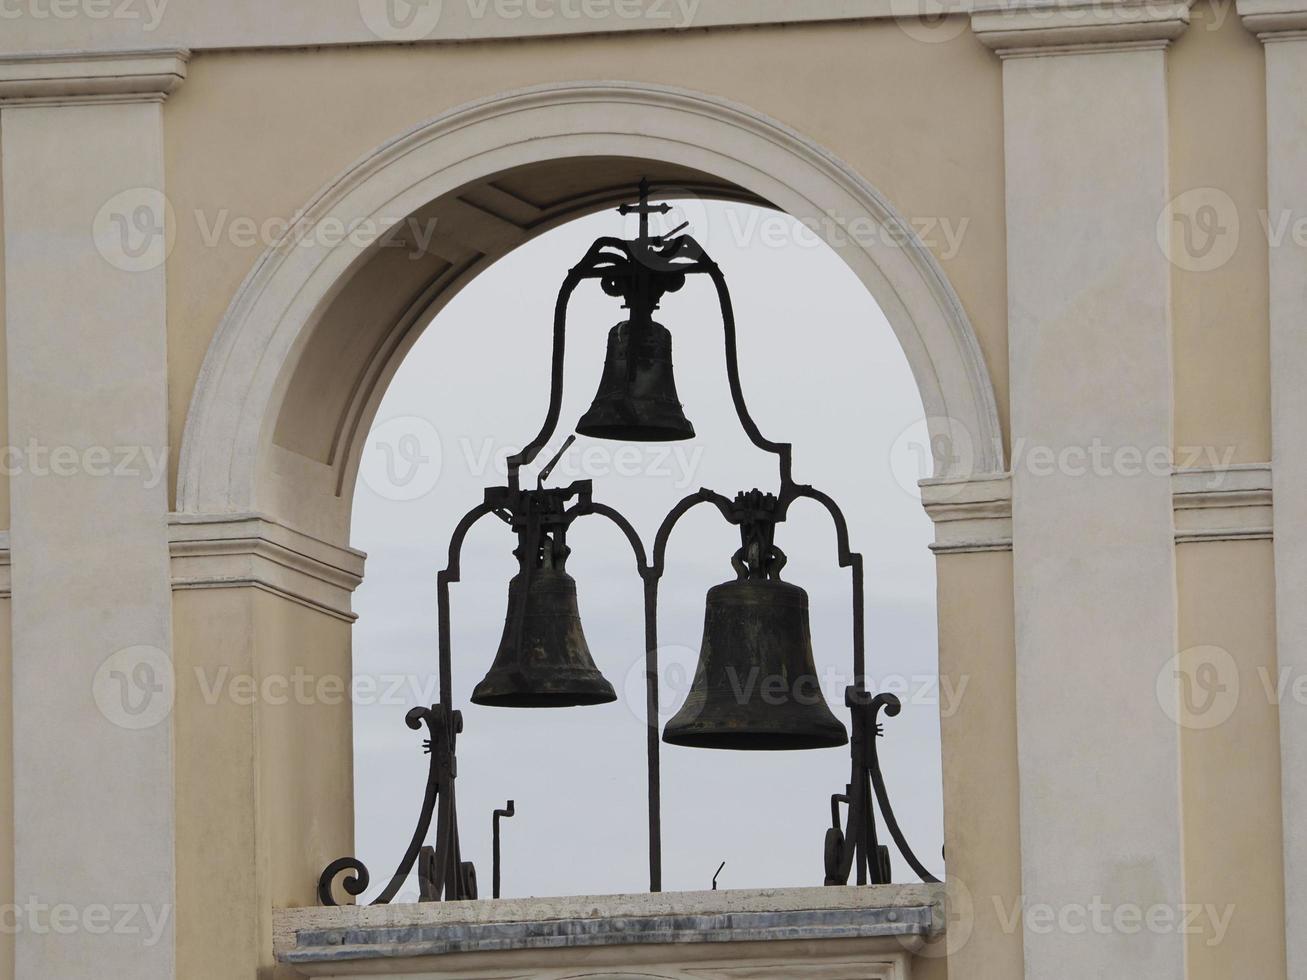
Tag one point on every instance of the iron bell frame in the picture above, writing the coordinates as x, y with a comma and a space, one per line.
642, 269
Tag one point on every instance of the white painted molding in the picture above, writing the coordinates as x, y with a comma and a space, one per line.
1274, 20
969, 515
226, 442
1223, 504
252, 551
77, 78
6, 579
1036, 28
1229, 503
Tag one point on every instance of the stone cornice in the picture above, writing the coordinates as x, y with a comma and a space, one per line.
6, 580
252, 551
1031, 28
77, 78
1225, 504
1274, 20
1228, 503
969, 515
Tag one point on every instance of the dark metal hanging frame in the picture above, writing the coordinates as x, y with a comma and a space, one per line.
642, 271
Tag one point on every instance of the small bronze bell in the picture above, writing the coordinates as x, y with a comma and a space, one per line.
543, 660
756, 684
637, 399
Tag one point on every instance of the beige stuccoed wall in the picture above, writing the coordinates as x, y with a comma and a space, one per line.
1230, 761
258, 134
1230, 773
1217, 84
264, 790
979, 746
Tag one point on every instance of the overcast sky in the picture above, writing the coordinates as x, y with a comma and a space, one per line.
821, 369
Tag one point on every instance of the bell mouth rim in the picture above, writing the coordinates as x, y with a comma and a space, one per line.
562, 699
617, 432
756, 741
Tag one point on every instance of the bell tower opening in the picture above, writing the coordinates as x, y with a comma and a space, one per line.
824, 373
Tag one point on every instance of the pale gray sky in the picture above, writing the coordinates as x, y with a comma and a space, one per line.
821, 368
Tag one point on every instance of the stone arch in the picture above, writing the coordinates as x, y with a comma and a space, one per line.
488, 176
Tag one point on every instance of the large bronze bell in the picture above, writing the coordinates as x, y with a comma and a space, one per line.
756, 685
637, 398
543, 660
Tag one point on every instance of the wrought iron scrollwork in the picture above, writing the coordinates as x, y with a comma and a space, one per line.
640, 271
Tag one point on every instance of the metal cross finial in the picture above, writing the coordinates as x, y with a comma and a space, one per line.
644, 209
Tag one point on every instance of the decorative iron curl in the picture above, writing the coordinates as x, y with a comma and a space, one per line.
355, 884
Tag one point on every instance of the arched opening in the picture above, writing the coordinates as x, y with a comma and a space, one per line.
295, 374
471, 392
298, 365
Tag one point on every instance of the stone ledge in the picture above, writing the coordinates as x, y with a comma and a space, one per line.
252, 551
970, 515
1027, 28
904, 915
1229, 504
1274, 20
77, 78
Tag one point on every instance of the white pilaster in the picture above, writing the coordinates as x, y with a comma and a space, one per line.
86, 331
1085, 139
1282, 26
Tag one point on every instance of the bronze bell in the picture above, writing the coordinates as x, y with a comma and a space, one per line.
637, 399
756, 684
543, 659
